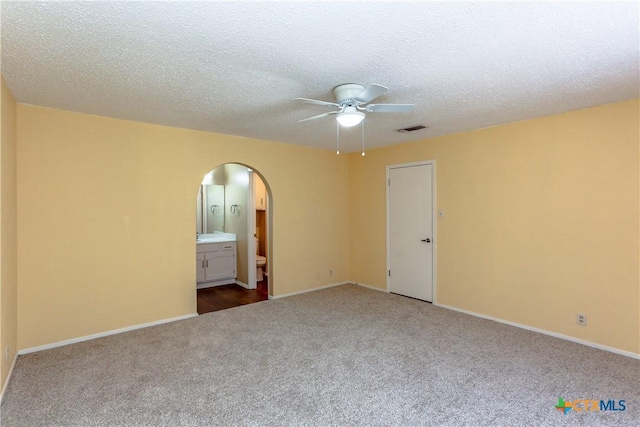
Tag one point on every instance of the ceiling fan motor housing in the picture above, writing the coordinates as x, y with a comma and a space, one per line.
347, 92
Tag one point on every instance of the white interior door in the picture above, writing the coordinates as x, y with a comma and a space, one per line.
411, 231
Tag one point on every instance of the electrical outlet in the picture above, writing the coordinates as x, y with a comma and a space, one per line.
581, 319
330, 272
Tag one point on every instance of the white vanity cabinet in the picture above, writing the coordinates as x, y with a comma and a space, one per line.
215, 264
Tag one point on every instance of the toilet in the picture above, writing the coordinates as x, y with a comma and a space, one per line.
260, 262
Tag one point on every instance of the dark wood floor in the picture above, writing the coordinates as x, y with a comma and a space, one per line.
228, 296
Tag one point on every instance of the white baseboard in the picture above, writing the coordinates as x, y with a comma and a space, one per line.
375, 288
308, 290
6, 382
104, 334
545, 332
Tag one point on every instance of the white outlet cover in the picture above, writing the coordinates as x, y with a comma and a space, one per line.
581, 319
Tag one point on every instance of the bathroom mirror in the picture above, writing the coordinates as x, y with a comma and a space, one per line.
222, 198
215, 206
210, 207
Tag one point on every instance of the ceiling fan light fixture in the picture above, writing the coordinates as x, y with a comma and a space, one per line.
350, 117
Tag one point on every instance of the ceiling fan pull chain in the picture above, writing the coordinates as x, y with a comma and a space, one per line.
337, 138
363, 137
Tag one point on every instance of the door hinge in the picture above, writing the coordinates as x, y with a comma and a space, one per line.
389, 273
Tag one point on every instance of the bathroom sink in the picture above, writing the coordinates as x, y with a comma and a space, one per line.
212, 240
216, 238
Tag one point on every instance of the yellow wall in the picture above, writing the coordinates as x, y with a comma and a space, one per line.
8, 233
107, 219
541, 221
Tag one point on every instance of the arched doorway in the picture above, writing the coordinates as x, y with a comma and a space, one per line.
234, 259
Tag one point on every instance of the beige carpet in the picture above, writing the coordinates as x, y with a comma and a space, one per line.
340, 356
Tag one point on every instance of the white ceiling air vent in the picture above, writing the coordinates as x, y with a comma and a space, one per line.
411, 129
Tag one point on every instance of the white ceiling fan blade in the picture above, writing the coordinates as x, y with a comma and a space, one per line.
317, 102
318, 116
371, 93
391, 108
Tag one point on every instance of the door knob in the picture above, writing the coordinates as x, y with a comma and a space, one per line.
427, 240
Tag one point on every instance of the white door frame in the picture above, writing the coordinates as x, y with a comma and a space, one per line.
251, 227
433, 220
204, 202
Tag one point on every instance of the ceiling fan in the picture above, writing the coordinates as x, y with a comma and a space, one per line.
352, 101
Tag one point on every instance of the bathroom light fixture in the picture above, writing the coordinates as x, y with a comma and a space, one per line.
350, 117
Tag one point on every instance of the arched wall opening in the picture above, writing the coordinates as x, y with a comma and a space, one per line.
234, 201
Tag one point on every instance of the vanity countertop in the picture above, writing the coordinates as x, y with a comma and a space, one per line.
215, 238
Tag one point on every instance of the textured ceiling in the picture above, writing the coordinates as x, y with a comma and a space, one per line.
235, 67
